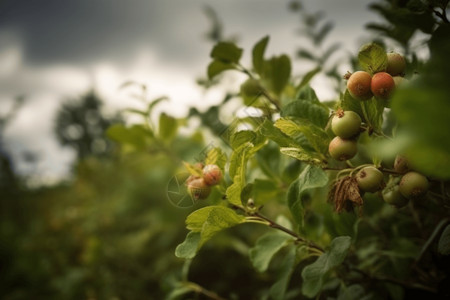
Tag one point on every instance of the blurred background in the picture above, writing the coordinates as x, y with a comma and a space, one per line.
53, 53
81, 219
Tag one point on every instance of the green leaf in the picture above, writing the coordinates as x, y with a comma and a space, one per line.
136, 136
193, 169
167, 126
311, 177
303, 53
444, 242
219, 218
422, 113
314, 274
258, 55
241, 137
372, 58
196, 219
136, 111
217, 157
278, 289
239, 158
268, 130
216, 67
212, 219
302, 155
265, 248
237, 171
308, 76
226, 52
374, 109
324, 30
180, 291
154, 103
353, 292
316, 113
350, 103
316, 136
264, 190
308, 94
188, 249
277, 72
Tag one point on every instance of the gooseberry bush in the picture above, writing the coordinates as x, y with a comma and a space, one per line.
355, 225
341, 199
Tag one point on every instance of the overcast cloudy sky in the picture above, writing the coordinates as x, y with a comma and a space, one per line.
51, 50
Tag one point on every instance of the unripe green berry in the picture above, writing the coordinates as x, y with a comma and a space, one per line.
346, 124
399, 81
413, 185
391, 194
396, 64
212, 174
342, 149
370, 179
251, 88
401, 164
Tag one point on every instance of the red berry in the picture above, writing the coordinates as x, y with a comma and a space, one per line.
197, 188
382, 85
358, 85
212, 174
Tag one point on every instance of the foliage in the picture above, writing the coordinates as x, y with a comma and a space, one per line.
268, 229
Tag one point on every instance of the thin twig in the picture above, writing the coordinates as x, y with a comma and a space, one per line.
290, 232
406, 284
201, 290
275, 225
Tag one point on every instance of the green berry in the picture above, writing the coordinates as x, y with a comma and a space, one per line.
370, 179
342, 149
346, 124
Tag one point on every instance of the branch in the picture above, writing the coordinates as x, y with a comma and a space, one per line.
275, 225
201, 290
403, 283
290, 232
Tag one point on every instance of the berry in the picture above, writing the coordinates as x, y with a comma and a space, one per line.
413, 185
342, 149
396, 64
399, 81
251, 88
370, 179
382, 85
358, 85
212, 174
197, 188
392, 195
346, 124
401, 164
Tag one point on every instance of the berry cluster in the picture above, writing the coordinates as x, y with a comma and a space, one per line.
410, 185
362, 86
199, 187
347, 125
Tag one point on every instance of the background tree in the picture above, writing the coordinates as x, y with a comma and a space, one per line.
81, 123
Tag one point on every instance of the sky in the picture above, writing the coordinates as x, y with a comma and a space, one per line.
53, 50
